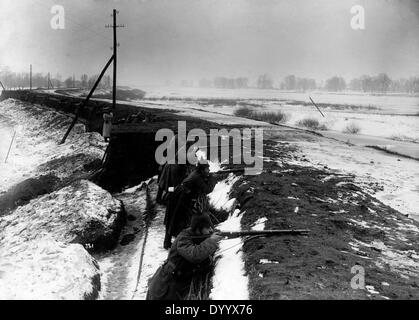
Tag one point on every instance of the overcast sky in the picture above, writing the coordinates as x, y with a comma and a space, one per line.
193, 39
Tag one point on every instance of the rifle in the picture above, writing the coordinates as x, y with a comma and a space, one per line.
239, 170
265, 233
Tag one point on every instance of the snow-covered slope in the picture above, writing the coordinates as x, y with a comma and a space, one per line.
48, 269
41, 243
79, 213
36, 149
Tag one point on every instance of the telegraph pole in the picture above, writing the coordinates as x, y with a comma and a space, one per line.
114, 60
48, 80
115, 45
111, 60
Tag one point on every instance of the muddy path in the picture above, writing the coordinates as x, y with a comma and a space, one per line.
126, 269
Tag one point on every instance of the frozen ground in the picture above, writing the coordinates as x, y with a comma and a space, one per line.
396, 178
392, 119
387, 103
38, 132
42, 254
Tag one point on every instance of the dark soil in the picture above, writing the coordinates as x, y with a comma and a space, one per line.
317, 266
23, 192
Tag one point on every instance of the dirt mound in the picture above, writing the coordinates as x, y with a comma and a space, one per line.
79, 213
347, 227
27, 190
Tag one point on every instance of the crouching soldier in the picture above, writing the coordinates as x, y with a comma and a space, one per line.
190, 256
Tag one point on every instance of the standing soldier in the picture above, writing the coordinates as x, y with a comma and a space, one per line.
173, 173
107, 125
189, 257
190, 196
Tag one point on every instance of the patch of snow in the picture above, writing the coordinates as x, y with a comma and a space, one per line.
264, 261
219, 197
371, 290
360, 223
134, 188
48, 270
38, 133
154, 253
65, 214
259, 225
230, 281
369, 167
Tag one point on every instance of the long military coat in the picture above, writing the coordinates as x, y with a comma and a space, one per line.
187, 258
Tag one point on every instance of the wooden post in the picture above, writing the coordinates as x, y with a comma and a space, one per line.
316, 106
115, 46
11, 142
86, 100
2, 86
115, 43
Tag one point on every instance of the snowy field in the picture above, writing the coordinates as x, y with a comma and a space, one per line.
392, 118
393, 104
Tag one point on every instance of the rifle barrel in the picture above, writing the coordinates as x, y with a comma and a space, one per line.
229, 171
232, 234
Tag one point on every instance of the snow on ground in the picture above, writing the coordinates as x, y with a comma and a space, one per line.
38, 132
391, 117
81, 212
388, 103
230, 281
259, 225
39, 254
403, 262
399, 177
39, 257
119, 267
219, 197
48, 270
154, 253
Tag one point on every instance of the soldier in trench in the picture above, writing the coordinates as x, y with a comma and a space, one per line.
173, 173
190, 257
107, 125
188, 198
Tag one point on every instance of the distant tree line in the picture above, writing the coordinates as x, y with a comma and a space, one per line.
17, 80
291, 82
225, 83
380, 83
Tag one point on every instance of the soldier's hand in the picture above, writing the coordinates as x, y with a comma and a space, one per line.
216, 237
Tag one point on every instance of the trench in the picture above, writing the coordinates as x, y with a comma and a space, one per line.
128, 163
